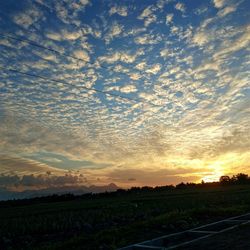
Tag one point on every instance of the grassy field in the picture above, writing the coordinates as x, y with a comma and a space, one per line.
112, 221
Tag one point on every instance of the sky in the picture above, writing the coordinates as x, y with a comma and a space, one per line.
129, 92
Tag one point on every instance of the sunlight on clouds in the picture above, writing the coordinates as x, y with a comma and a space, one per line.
82, 55
67, 35
148, 15
184, 66
128, 89
148, 39
141, 65
219, 3
165, 53
242, 42
180, 6
64, 35
200, 38
122, 56
227, 10
169, 18
22, 166
135, 76
120, 10
114, 31
154, 69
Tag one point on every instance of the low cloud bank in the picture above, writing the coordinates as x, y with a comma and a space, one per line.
28, 186
40, 181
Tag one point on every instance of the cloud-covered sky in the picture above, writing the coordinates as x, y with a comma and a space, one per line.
130, 92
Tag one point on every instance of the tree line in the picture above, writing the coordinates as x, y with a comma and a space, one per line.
238, 179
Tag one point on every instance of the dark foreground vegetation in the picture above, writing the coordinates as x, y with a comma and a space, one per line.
112, 220
237, 239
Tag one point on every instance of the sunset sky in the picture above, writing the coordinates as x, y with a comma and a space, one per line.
133, 92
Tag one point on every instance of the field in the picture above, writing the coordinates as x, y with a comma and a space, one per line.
110, 221
236, 239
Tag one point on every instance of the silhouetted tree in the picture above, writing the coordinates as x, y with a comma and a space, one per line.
147, 188
181, 185
225, 180
241, 178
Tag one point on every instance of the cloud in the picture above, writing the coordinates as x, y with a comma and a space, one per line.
93, 31
154, 69
141, 66
219, 3
62, 12
169, 18
54, 36
120, 10
147, 39
82, 55
8, 180
194, 71
82, 4
131, 179
52, 160
68, 14
27, 18
134, 31
46, 56
209, 31
60, 161
64, 35
207, 66
201, 10
10, 164
154, 177
5, 42
134, 76
148, 15
165, 53
200, 38
174, 29
67, 35
227, 10
41, 181
233, 141
122, 56
32, 137
241, 42
128, 89
114, 31
180, 6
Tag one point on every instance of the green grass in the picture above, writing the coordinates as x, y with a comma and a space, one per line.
112, 222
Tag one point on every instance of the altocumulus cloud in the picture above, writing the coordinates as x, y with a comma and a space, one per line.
191, 68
